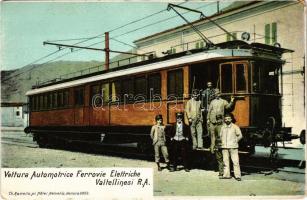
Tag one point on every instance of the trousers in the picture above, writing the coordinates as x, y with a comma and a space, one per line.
234, 155
164, 151
197, 133
180, 149
219, 160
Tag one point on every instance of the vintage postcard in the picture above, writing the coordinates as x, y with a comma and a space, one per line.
153, 99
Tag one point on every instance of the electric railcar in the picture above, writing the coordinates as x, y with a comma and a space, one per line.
119, 105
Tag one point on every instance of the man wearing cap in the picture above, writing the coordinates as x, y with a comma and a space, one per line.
217, 107
179, 135
207, 96
194, 114
157, 135
230, 136
217, 144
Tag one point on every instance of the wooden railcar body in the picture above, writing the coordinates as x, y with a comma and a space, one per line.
120, 105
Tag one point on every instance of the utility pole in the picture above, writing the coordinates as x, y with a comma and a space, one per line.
107, 51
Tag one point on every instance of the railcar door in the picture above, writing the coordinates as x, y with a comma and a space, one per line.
234, 82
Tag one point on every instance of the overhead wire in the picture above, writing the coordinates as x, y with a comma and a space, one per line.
97, 36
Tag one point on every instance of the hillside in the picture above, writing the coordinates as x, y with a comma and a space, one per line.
15, 83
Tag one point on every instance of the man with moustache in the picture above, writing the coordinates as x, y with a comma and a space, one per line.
230, 137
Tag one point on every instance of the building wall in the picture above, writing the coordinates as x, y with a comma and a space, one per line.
289, 17
12, 117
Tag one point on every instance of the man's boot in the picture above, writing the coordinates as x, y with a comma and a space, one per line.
159, 168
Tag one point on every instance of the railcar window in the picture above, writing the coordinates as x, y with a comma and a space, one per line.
60, 99
45, 101
55, 100
140, 87
79, 96
175, 83
95, 95
240, 78
41, 102
226, 78
269, 81
65, 98
154, 84
256, 78
116, 91
127, 90
49, 97
105, 91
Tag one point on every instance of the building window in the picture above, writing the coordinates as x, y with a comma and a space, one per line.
79, 96
175, 83
230, 38
173, 50
199, 45
17, 113
267, 31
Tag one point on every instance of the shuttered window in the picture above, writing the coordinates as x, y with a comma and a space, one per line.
267, 35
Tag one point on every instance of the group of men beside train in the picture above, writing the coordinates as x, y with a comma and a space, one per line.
224, 134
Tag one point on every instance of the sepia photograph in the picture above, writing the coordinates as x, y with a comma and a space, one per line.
153, 99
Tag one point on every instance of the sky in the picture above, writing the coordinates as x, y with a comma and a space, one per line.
26, 25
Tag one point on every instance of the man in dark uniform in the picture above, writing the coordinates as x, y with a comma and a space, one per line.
216, 148
179, 135
206, 97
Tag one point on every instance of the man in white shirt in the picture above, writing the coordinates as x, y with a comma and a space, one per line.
230, 136
194, 114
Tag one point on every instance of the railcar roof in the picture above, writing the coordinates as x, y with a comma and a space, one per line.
225, 49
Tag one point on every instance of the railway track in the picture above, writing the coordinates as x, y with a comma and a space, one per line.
263, 165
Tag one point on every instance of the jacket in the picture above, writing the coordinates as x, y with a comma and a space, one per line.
230, 136
217, 107
194, 113
171, 130
154, 134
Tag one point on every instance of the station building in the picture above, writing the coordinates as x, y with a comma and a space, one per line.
270, 22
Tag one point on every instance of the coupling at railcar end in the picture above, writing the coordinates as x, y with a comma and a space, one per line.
157, 135
230, 137
179, 134
193, 112
217, 107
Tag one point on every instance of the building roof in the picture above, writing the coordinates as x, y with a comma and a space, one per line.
232, 7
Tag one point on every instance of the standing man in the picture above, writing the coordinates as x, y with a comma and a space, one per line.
194, 114
217, 144
217, 107
157, 135
207, 96
230, 135
179, 134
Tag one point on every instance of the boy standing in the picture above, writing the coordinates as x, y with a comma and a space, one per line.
157, 135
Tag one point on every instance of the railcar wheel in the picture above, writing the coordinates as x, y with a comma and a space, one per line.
302, 136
